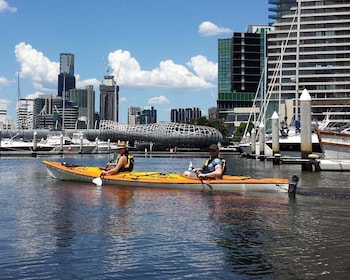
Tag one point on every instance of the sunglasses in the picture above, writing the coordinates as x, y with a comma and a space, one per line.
211, 150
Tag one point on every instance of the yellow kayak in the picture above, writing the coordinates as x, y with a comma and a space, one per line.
155, 179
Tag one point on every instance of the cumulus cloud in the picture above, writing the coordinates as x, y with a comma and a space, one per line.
4, 6
88, 82
36, 67
167, 75
4, 81
159, 100
204, 68
207, 28
42, 73
34, 95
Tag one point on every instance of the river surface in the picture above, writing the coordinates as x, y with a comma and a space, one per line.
61, 230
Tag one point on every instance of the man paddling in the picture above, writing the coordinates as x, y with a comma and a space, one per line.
213, 167
124, 162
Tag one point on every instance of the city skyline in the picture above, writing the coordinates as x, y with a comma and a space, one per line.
163, 55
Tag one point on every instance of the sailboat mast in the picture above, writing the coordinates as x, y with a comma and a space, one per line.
296, 114
18, 89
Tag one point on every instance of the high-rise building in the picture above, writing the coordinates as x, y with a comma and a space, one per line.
5, 121
109, 99
66, 78
312, 39
240, 64
85, 100
148, 115
25, 114
49, 112
185, 114
134, 115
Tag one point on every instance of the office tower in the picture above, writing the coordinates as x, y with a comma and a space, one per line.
66, 78
185, 114
24, 114
85, 100
148, 115
109, 99
134, 115
5, 121
240, 63
312, 40
48, 113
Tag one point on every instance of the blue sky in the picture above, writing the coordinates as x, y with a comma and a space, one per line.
165, 52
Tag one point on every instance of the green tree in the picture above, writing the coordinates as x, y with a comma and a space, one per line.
240, 131
219, 124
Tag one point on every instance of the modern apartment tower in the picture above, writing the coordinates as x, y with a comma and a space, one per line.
240, 64
148, 115
66, 78
109, 99
134, 115
85, 100
312, 40
185, 114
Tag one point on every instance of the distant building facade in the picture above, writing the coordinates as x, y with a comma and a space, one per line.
213, 113
109, 99
134, 115
66, 78
148, 115
85, 100
5, 121
185, 114
24, 114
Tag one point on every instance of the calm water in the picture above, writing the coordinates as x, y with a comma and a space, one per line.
60, 230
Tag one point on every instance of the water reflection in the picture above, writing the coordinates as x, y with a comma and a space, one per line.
63, 230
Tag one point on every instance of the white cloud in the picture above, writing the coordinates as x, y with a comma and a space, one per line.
204, 68
4, 6
4, 81
207, 28
34, 95
42, 73
37, 68
88, 82
167, 75
159, 100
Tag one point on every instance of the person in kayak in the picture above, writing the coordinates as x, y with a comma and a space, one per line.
123, 162
213, 167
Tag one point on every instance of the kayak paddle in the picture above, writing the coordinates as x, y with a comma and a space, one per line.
98, 181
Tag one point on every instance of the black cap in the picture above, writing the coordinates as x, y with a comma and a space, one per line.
214, 147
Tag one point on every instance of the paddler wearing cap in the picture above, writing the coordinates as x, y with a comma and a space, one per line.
124, 161
213, 167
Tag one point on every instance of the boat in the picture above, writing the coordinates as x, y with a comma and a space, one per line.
18, 143
62, 142
229, 183
335, 144
104, 146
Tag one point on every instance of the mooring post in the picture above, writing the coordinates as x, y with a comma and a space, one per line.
262, 141
305, 133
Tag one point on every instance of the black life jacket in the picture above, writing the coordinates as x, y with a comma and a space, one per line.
129, 165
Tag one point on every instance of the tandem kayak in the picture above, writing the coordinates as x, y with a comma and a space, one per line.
229, 183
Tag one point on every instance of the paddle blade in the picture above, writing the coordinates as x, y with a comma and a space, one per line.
190, 166
97, 181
